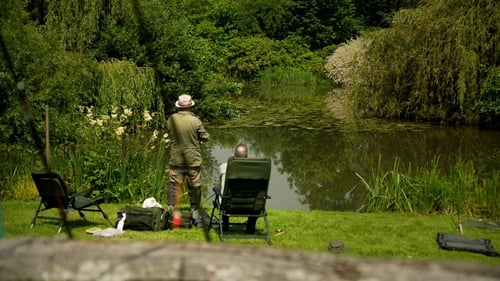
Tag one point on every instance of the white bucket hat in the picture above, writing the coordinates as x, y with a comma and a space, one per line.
184, 101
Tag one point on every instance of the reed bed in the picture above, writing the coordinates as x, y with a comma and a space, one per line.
463, 191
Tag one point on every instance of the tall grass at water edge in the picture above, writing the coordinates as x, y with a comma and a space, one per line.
124, 171
428, 190
15, 163
289, 84
139, 172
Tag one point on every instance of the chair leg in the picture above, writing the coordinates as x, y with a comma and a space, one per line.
82, 215
104, 215
221, 228
221, 225
219, 220
268, 233
211, 217
33, 221
221, 231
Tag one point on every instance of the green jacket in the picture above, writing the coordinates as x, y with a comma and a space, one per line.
186, 132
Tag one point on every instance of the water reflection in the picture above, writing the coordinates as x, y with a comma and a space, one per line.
314, 169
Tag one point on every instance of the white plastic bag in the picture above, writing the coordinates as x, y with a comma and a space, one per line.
151, 202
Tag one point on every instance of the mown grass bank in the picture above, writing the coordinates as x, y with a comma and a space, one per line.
382, 235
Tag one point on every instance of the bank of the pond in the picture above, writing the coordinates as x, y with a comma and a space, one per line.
385, 235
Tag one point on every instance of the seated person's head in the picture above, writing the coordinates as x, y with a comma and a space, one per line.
241, 151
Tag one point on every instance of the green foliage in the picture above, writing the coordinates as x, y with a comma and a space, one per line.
74, 23
269, 18
150, 34
322, 23
489, 107
198, 10
293, 52
431, 63
216, 106
224, 14
15, 163
388, 191
380, 12
124, 85
122, 165
172, 51
276, 76
119, 39
428, 190
52, 76
319, 23
247, 57
293, 86
92, 61
290, 85
218, 109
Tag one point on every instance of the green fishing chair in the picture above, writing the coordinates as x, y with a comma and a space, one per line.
244, 194
54, 194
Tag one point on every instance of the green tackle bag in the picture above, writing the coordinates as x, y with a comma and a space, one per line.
149, 219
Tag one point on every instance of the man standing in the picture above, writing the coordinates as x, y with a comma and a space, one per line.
186, 134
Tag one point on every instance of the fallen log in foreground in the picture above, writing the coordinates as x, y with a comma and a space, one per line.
61, 259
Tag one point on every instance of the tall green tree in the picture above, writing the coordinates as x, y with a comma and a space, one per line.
433, 62
268, 18
380, 12
52, 76
153, 34
322, 22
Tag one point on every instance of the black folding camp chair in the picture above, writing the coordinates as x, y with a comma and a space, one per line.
54, 194
244, 194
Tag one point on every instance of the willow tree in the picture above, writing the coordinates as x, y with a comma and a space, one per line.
432, 63
52, 76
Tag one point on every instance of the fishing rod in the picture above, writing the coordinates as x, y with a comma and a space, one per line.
146, 38
28, 116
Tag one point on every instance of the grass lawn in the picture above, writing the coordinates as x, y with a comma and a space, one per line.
382, 235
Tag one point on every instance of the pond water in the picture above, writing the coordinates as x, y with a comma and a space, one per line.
316, 158
316, 169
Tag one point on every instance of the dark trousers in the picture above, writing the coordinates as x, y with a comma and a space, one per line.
177, 176
251, 221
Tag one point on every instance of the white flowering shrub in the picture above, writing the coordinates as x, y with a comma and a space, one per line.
116, 121
341, 66
124, 159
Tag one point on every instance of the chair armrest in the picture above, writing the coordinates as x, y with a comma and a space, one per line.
84, 193
79, 193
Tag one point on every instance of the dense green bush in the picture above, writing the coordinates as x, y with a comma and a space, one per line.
322, 23
432, 63
247, 57
489, 107
380, 12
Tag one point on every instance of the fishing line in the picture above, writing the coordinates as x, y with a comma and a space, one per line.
146, 38
28, 116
